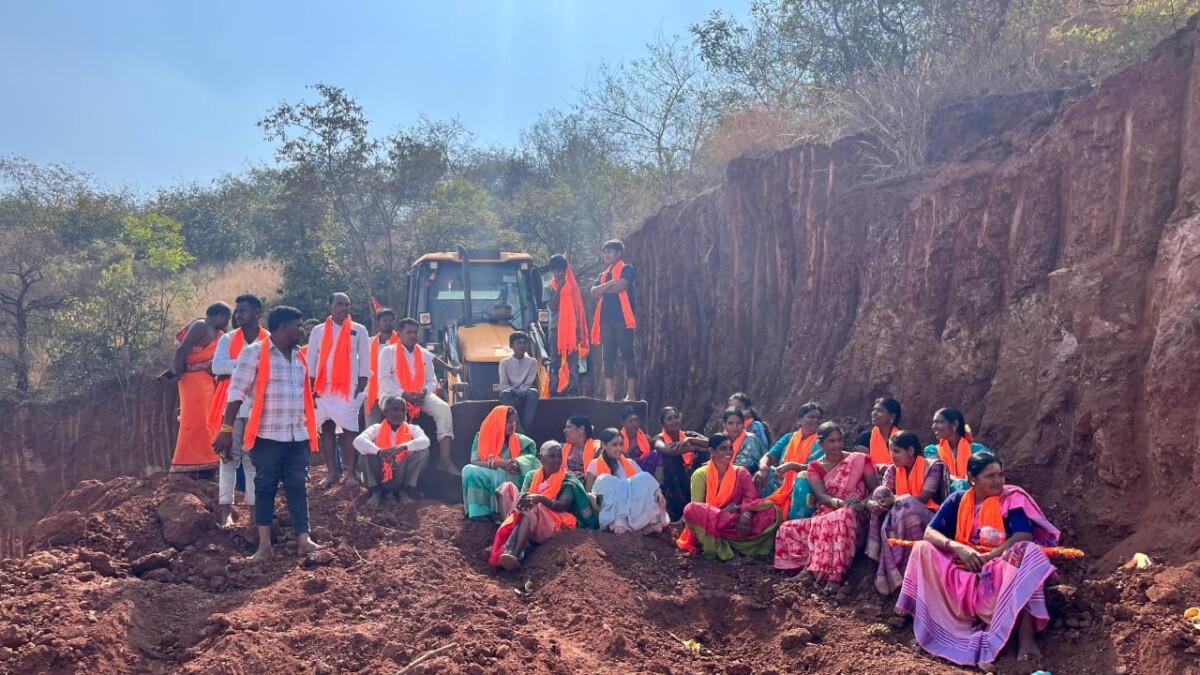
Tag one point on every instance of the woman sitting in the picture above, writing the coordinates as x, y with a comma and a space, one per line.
747, 449
754, 423
913, 488
637, 445
823, 545
681, 451
627, 497
580, 448
499, 455
725, 514
549, 500
786, 464
394, 453
885, 423
980, 571
954, 447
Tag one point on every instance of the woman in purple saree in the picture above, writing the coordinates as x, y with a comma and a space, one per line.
964, 602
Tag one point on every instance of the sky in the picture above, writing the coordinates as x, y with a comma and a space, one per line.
149, 94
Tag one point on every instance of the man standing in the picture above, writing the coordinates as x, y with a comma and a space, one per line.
568, 335
247, 310
192, 369
614, 321
340, 356
281, 430
407, 372
517, 375
385, 320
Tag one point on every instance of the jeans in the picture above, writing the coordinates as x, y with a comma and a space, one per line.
526, 403
276, 461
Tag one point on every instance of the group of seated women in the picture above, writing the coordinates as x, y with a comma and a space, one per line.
971, 569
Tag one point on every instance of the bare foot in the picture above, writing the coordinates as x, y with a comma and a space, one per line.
987, 666
405, 498
617, 529
450, 469
352, 481
305, 546
804, 576
373, 500
327, 482
261, 555
225, 522
1028, 653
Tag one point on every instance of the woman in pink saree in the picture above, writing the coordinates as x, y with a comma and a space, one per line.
965, 602
823, 546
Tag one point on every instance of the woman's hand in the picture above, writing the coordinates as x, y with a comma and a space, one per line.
789, 466
525, 502
762, 478
743, 524
876, 507
659, 499
970, 558
858, 506
510, 466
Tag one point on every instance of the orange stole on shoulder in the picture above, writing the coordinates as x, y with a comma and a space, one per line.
549, 487
603, 470
216, 411
390, 439
262, 376
737, 445
957, 462
339, 380
687, 457
608, 275
717, 492
989, 516
590, 446
643, 443
913, 482
798, 449
412, 379
491, 436
373, 381
880, 455
572, 325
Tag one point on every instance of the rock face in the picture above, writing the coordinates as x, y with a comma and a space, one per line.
1048, 284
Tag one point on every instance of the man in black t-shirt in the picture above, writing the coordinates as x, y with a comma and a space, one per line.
614, 322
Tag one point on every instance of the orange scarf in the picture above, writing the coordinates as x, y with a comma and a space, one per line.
339, 382
373, 382
261, 377
643, 443
603, 470
688, 457
216, 411
880, 455
491, 436
957, 465
572, 325
798, 450
989, 516
551, 489
387, 439
717, 492
913, 482
411, 380
737, 445
589, 451
609, 274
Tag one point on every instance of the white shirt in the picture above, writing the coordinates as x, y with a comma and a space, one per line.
365, 442
360, 353
223, 365
389, 379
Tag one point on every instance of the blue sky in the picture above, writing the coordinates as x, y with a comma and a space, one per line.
157, 93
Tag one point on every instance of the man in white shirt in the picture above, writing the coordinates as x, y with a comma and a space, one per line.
339, 392
246, 311
518, 375
404, 452
415, 381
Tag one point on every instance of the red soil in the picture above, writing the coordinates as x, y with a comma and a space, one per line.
411, 578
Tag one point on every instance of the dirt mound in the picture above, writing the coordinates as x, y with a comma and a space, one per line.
408, 579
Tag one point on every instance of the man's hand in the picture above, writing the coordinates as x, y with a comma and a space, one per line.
223, 446
362, 385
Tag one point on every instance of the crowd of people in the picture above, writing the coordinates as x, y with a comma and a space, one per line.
963, 550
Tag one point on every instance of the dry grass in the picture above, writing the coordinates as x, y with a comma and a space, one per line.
226, 282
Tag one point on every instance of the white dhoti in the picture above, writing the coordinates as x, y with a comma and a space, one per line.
629, 503
343, 413
439, 411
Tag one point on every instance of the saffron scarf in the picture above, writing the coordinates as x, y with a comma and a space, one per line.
613, 272
717, 493
216, 411
913, 482
589, 451
603, 470
880, 455
339, 380
572, 325
262, 376
411, 379
491, 436
643, 443
990, 515
798, 451
373, 382
389, 439
737, 445
957, 462
687, 457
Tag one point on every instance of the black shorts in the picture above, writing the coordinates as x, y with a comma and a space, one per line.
617, 338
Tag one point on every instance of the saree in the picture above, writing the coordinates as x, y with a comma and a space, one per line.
716, 529
957, 483
906, 520
480, 483
544, 522
966, 617
628, 501
802, 504
824, 544
193, 446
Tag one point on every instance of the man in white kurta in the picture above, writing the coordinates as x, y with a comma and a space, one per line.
425, 397
339, 410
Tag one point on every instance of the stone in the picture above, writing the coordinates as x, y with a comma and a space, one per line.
152, 561
41, 563
1161, 594
102, 563
183, 518
795, 639
59, 529
12, 636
